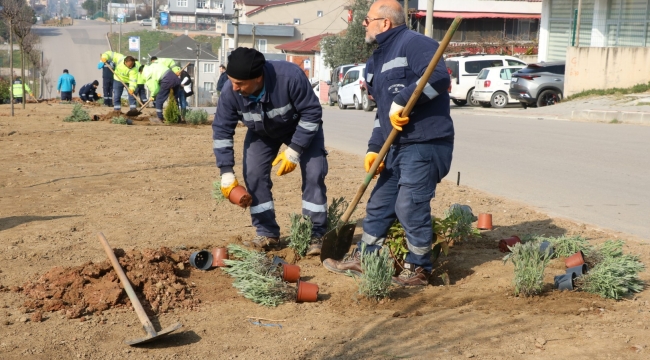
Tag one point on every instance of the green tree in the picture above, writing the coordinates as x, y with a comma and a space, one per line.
351, 46
91, 6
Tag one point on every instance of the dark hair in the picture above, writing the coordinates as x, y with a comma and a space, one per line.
96, 83
141, 67
129, 58
154, 58
223, 67
65, 71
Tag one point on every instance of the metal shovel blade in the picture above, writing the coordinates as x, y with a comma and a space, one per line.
163, 332
337, 242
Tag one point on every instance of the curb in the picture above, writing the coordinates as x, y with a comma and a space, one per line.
631, 117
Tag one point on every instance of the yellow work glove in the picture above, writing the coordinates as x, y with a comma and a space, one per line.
130, 92
370, 159
290, 159
151, 99
396, 119
228, 182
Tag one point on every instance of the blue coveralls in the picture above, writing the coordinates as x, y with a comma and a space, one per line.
107, 82
88, 93
168, 81
288, 112
421, 155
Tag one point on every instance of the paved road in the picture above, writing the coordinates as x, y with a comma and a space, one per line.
76, 48
590, 172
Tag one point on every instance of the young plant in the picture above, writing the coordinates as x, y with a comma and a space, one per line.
529, 262
616, 275
216, 192
457, 224
396, 241
120, 120
334, 213
565, 246
376, 273
300, 233
196, 117
171, 113
78, 114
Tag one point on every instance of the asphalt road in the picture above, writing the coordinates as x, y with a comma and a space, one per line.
590, 172
76, 48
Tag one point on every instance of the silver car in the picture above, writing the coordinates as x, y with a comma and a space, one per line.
538, 84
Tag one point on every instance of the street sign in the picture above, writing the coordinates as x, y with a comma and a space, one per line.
134, 43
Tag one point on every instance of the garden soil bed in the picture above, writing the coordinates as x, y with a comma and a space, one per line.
148, 189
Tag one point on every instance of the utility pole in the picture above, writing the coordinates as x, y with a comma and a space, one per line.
40, 92
119, 41
406, 14
578, 23
254, 47
196, 76
236, 24
428, 25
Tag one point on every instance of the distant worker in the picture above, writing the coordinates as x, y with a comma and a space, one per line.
107, 81
222, 79
185, 91
66, 85
140, 90
160, 80
126, 71
88, 92
17, 89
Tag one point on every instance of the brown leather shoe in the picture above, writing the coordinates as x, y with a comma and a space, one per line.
315, 246
263, 243
351, 262
412, 276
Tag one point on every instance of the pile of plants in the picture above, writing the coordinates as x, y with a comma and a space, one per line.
563, 246
196, 117
78, 114
530, 262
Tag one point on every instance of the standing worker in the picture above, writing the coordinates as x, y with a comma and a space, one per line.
185, 91
222, 79
420, 156
107, 81
126, 71
160, 80
88, 92
140, 90
17, 89
276, 102
65, 86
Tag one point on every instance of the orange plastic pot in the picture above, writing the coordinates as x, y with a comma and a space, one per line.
505, 243
290, 273
484, 221
307, 292
576, 259
218, 256
239, 196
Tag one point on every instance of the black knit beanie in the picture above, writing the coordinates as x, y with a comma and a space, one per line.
96, 83
245, 64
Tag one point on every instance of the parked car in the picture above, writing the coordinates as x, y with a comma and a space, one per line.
337, 76
539, 84
352, 90
465, 69
145, 22
493, 84
367, 101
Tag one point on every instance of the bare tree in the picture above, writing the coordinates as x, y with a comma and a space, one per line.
11, 10
22, 28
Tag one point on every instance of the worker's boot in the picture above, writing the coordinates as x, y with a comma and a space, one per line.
315, 245
351, 262
265, 243
412, 275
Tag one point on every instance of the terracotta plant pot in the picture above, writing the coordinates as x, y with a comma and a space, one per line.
484, 221
578, 270
201, 260
307, 292
218, 256
239, 196
290, 273
511, 241
564, 282
575, 260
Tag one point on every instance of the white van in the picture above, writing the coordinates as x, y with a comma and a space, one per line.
352, 91
465, 69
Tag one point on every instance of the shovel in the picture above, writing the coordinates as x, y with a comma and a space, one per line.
130, 112
146, 323
337, 242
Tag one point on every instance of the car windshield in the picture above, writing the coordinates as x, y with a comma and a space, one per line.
483, 74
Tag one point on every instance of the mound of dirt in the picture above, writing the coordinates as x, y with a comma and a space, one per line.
158, 277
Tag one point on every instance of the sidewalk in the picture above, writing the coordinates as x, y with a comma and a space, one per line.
629, 109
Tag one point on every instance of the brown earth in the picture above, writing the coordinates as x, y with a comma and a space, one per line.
149, 187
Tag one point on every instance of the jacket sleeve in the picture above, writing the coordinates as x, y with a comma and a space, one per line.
419, 53
58, 84
133, 78
223, 131
73, 82
308, 108
376, 138
153, 87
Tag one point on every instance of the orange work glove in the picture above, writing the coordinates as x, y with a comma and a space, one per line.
396, 119
130, 91
369, 160
228, 182
289, 158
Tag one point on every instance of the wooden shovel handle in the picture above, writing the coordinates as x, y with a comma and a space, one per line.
407, 110
142, 315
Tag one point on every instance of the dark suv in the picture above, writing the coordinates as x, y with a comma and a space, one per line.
538, 84
337, 76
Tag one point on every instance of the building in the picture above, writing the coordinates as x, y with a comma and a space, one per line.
184, 50
199, 14
306, 54
264, 38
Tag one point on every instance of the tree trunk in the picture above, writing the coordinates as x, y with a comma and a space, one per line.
22, 73
11, 65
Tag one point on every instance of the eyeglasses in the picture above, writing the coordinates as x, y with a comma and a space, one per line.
368, 20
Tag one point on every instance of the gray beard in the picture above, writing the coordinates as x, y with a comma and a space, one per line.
371, 41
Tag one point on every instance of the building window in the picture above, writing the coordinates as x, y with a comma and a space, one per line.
181, 3
296, 21
233, 4
200, 4
261, 45
208, 68
319, 13
208, 86
219, 5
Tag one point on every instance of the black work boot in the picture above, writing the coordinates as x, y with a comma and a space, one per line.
265, 243
412, 276
315, 245
351, 262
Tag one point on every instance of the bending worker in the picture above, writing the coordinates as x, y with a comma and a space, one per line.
420, 156
17, 90
160, 79
276, 102
126, 70
88, 92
